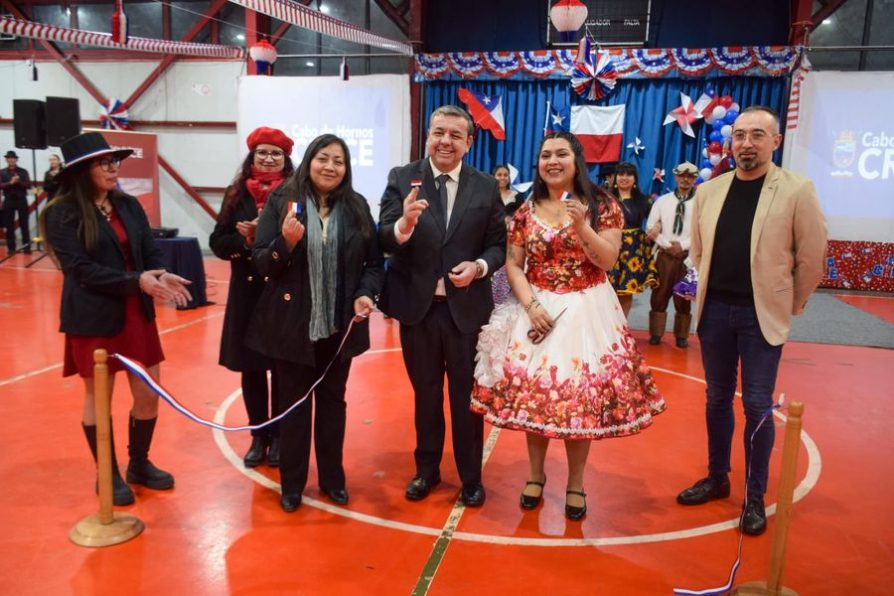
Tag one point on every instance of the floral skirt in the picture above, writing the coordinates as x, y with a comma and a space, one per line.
585, 380
635, 269
499, 284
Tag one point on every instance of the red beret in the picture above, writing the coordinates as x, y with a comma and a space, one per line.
269, 136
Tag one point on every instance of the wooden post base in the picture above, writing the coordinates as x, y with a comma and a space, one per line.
759, 588
90, 531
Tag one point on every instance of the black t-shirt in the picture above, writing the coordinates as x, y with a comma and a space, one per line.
636, 210
730, 277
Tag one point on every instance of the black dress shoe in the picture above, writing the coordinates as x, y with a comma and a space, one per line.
273, 453
419, 487
654, 340
339, 496
575, 513
529, 502
473, 495
682, 342
290, 502
706, 489
754, 517
256, 453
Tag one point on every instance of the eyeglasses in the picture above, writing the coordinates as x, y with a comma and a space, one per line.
756, 135
109, 164
274, 155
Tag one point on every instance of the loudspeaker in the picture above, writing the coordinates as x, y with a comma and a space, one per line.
63, 119
28, 124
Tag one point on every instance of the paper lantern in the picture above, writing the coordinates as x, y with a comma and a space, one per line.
567, 17
264, 55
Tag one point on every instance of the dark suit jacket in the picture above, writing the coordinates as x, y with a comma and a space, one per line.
95, 286
246, 285
477, 231
17, 192
280, 326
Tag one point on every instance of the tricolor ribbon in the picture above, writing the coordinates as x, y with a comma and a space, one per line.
719, 591
141, 373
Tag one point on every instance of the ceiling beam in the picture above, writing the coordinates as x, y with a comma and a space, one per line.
395, 15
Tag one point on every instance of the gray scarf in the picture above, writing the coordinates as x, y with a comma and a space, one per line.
322, 260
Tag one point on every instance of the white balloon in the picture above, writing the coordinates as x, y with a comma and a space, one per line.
735, 107
714, 159
709, 119
719, 112
726, 131
705, 173
705, 152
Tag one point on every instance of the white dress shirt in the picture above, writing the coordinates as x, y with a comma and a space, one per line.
664, 211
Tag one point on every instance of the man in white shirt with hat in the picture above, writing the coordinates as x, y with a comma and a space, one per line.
670, 225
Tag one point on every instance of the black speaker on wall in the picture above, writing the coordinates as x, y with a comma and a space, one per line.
28, 124
63, 119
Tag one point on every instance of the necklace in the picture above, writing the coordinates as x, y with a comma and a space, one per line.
105, 208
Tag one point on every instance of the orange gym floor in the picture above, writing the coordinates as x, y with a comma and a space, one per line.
221, 531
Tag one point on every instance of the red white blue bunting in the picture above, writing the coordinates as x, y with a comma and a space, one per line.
627, 63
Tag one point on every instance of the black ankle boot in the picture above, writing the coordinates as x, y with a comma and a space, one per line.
140, 470
256, 453
121, 493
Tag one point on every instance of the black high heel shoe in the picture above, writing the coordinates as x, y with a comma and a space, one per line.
575, 513
528, 502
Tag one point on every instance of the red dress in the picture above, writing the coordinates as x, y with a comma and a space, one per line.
138, 339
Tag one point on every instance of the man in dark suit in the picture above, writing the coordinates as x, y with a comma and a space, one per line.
442, 222
15, 182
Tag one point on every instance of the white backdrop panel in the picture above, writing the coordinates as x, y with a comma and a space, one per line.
845, 144
371, 113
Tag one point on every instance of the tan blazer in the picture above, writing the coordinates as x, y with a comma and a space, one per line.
788, 245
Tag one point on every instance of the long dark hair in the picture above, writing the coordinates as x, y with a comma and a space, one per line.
77, 188
625, 167
299, 185
237, 187
583, 186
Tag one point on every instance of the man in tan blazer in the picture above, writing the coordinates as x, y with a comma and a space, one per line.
758, 240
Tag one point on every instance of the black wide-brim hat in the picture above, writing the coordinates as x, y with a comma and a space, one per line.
11, 154
84, 147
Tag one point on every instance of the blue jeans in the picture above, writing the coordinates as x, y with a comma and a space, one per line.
728, 334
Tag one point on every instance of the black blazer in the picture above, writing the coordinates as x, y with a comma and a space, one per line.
280, 326
477, 231
95, 286
246, 285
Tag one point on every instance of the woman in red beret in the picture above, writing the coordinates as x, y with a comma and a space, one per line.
265, 167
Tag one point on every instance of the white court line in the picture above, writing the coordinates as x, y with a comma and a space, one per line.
40, 371
814, 469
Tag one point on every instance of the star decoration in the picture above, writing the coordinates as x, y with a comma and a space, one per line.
558, 119
684, 116
636, 146
658, 175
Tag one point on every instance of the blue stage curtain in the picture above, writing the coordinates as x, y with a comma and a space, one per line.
648, 102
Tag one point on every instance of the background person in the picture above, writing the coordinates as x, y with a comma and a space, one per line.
560, 363
14, 183
50, 182
112, 271
445, 237
758, 240
316, 242
265, 167
511, 200
634, 270
670, 227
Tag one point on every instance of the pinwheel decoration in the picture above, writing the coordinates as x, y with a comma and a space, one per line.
114, 115
591, 81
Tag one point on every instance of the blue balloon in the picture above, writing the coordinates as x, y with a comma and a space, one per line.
699, 180
706, 163
716, 137
718, 124
731, 116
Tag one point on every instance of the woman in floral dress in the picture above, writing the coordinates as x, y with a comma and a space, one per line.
558, 360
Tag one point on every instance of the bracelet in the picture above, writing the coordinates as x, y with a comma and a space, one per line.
531, 304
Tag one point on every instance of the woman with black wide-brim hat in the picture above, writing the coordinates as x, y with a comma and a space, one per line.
112, 271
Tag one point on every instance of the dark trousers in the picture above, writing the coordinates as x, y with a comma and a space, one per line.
256, 396
10, 209
430, 348
294, 380
730, 334
670, 270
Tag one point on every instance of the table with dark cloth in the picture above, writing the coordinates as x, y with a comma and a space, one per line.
184, 257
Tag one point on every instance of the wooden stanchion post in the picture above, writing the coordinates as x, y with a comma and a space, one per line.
107, 527
773, 586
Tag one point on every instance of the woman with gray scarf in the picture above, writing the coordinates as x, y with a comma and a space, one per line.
316, 242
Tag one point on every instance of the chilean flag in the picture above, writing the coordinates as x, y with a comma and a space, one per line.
486, 111
600, 131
